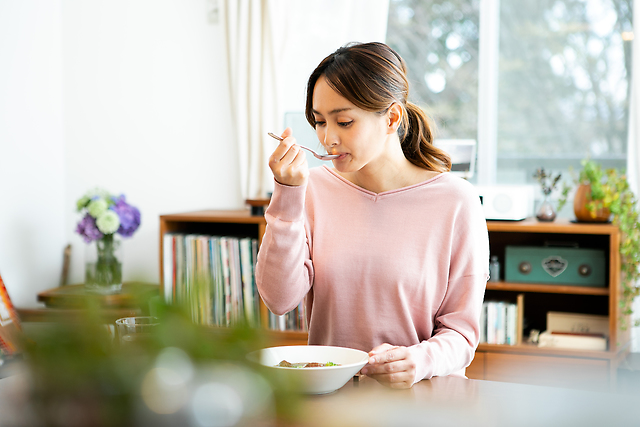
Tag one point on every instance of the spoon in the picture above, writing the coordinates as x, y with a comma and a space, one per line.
316, 155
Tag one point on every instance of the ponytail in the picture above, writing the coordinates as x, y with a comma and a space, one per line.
416, 138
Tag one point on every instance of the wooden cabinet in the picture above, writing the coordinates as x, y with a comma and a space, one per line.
525, 363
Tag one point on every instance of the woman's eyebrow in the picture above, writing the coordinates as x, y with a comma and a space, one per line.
334, 111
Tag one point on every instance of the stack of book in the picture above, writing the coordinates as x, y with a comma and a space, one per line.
214, 276
575, 331
501, 322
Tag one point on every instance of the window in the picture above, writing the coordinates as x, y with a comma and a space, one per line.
563, 77
439, 43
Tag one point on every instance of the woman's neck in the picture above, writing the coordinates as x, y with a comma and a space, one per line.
391, 172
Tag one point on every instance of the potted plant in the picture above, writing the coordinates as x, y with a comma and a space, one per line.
602, 195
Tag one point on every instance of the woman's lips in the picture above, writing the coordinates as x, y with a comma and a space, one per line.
340, 156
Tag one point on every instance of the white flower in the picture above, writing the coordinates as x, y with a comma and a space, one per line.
108, 222
97, 207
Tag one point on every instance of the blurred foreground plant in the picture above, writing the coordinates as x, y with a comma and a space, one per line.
81, 373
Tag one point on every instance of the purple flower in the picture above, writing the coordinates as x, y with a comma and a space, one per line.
129, 216
88, 230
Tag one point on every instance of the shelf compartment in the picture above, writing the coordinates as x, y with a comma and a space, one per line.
559, 226
529, 348
545, 288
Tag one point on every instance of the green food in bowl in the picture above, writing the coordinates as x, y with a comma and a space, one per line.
285, 364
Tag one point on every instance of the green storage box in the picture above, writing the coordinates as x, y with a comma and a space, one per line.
555, 265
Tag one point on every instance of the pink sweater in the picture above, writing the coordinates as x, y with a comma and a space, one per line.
407, 267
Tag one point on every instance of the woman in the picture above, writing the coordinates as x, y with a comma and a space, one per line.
391, 251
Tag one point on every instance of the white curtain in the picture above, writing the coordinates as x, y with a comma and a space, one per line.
251, 33
633, 143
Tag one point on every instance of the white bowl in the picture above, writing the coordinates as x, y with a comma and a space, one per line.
313, 380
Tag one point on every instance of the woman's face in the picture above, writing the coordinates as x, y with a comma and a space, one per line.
357, 135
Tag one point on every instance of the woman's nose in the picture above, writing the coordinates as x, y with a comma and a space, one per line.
330, 139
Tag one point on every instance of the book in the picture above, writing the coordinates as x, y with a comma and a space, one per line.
204, 280
519, 318
191, 271
236, 274
577, 323
511, 332
483, 323
576, 341
256, 294
501, 324
168, 256
492, 323
217, 281
226, 277
246, 264
10, 327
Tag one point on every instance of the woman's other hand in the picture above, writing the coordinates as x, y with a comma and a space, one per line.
392, 366
288, 162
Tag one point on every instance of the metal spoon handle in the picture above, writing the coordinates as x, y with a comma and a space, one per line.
273, 135
317, 156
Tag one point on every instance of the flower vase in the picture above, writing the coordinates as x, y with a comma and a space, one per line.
103, 265
546, 211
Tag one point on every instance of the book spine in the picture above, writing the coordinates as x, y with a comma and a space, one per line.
483, 323
167, 274
501, 336
512, 324
238, 277
224, 255
492, 319
247, 280
256, 295
218, 279
519, 318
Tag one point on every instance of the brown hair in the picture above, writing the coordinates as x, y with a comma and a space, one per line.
372, 76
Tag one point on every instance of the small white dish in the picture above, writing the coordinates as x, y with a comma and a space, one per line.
312, 380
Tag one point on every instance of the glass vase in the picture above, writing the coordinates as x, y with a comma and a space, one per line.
546, 212
103, 265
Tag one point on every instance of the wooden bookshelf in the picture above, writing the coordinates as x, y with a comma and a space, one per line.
524, 362
529, 363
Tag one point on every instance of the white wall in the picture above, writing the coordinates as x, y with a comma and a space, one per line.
32, 190
129, 96
146, 114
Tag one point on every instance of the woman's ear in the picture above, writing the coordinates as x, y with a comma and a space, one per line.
394, 117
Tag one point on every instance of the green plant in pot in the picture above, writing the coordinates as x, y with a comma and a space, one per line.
602, 195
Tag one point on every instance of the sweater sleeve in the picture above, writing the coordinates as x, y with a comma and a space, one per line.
284, 272
451, 349
456, 333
